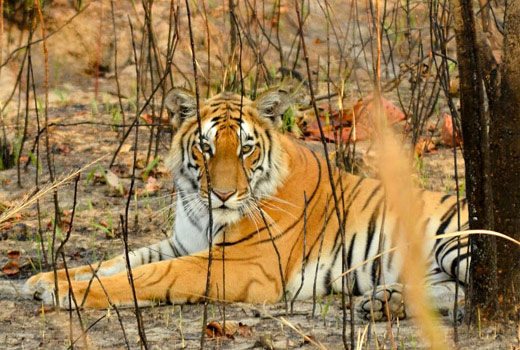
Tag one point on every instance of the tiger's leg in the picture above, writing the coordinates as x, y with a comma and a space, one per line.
390, 299
375, 304
181, 280
452, 259
163, 250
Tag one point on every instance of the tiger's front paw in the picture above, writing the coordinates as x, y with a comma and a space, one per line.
42, 287
374, 304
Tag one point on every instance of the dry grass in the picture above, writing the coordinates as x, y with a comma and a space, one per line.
402, 199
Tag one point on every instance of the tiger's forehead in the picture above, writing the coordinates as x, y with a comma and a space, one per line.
226, 111
226, 102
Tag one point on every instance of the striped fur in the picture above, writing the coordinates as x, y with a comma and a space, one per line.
273, 220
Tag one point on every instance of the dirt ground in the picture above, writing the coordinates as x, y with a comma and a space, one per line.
24, 324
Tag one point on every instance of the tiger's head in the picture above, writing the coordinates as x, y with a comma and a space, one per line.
238, 141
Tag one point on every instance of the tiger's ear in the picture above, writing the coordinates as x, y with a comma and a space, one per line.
182, 104
272, 104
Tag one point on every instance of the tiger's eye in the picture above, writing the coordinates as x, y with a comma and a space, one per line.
206, 148
246, 149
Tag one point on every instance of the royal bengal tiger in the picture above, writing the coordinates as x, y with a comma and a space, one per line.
273, 219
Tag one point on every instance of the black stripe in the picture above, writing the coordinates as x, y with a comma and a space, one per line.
160, 252
311, 198
356, 290
327, 280
175, 252
456, 264
441, 247
149, 255
160, 278
445, 197
181, 247
350, 251
370, 233
372, 194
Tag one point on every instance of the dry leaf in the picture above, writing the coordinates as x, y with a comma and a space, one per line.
358, 112
147, 118
152, 185
424, 146
244, 330
64, 149
44, 310
112, 179
12, 268
447, 132
125, 148
13, 254
307, 339
215, 330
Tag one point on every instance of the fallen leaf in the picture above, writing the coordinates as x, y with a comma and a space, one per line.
44, 310
447, 132
147, 118
307, 339
244, 330
424, 146
357, 113
152, 185
125, 148
215, 330
15, 218
12, 268
121, 170
112, 179
64, 149
13, 254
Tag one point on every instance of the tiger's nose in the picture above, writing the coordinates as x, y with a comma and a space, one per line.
223, 196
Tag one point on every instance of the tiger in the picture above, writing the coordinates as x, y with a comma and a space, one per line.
260, 205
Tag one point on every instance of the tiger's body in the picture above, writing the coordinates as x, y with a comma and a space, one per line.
273, 218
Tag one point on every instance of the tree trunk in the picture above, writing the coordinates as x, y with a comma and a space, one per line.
483, 271
504, 131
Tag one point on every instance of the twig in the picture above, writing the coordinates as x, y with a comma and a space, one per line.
116, 70
329, 167
304, 250
124, 220
208, 180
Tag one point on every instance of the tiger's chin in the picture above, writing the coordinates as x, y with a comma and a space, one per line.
226, 216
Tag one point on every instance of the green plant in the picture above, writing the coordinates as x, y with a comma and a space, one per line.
326, 308
35, 162
183, 345
149, 168
108, 229
94, 109
62, 95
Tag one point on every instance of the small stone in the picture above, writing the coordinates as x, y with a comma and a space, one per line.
19, 231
